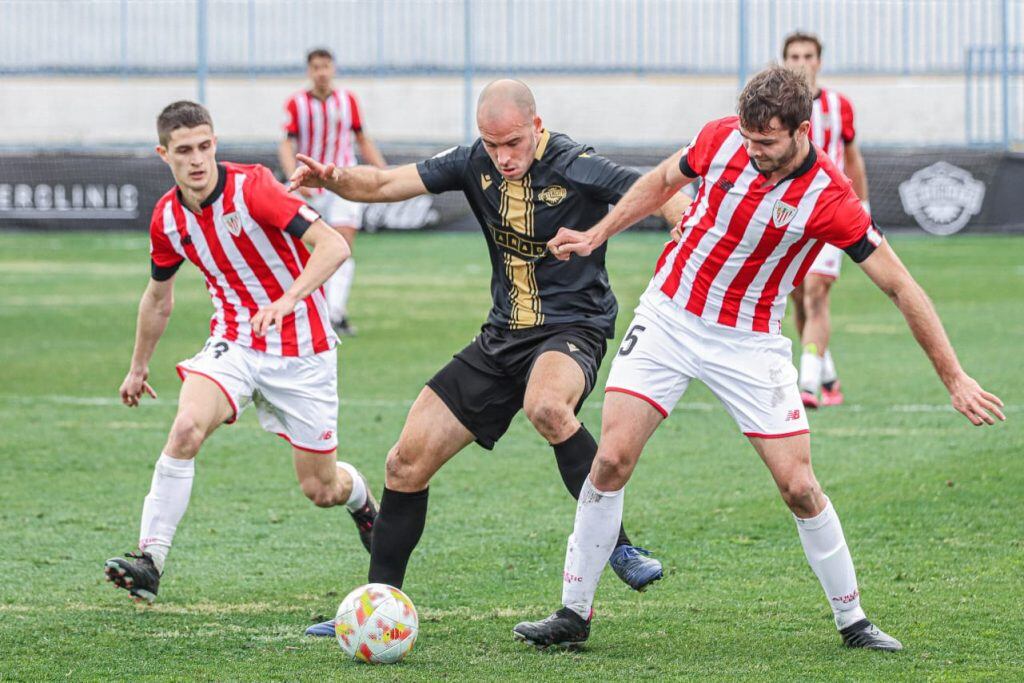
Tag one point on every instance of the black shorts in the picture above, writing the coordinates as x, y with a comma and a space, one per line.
484, 384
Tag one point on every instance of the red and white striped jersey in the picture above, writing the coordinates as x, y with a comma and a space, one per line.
324, 129
832, 125
246, 243
747, 244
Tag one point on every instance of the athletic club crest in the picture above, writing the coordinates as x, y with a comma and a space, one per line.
233, 222
782, 213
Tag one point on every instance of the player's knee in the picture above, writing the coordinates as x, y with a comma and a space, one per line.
186, 436
318, 493
800, 492
611, 470
401, 471
550, 418
816, 299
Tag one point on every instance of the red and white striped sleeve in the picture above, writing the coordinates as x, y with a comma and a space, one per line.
698, 154
291, 118
848, 131
164, 260
271, 205
353, 106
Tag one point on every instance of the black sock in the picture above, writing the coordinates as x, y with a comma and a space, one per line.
574, 456
396, 531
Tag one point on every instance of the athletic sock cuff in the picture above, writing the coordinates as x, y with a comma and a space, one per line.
819, 520
405, 496
580, 437
176, 467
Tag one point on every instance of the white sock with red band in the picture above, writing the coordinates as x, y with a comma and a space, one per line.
810, 370
828, 368
337, 289
598, 518
357, 498
165, 505
829, 557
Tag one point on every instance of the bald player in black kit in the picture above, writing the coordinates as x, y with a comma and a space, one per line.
547, 331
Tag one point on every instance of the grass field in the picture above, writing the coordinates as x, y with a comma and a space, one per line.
932, 507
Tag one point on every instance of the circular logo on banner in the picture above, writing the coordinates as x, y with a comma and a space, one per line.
942, 198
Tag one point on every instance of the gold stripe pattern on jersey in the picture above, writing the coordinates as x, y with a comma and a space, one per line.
516, 210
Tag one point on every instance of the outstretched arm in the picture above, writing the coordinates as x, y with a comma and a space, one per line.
653, 190
154, 311
887, 271
329, 251
359, 183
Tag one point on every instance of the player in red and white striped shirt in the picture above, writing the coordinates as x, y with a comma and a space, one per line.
713, 311
832, 129
324, 123
270, 342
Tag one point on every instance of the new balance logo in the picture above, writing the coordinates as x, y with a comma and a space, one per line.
326, 436
792, 415
724, 184
572, 347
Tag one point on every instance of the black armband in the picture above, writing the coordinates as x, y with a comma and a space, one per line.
866, 245
684, 168
298, 226
163, 273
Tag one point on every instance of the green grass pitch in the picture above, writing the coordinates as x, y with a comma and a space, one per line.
933, 508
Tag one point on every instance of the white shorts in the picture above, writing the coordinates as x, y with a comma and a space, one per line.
296, 397
828, 262
337, 211
751, 373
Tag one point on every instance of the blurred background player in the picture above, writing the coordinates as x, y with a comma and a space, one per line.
270, 343
832, 129
545, 337
324, 123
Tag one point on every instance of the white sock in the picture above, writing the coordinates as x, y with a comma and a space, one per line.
357, 498
598, 517
165, 506
825, 547
828, 368
810, 370
337, 289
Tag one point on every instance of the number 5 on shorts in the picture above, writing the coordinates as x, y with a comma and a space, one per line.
630, 340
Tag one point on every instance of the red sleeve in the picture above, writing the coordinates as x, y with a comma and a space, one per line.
160, 250
846, 114
291, 118
272, 207
357, 121
842, 221
698, 154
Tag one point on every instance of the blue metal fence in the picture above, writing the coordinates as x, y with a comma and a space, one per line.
488, 37
427, 37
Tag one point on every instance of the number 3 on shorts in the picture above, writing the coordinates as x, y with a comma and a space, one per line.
219, 349
630, 340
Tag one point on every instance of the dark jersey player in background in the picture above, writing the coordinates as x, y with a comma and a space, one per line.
546, 334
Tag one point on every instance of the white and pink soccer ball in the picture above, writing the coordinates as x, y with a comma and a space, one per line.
376, 624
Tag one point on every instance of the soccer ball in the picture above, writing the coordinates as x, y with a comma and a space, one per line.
376, 624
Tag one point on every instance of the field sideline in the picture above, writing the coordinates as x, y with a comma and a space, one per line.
932, 507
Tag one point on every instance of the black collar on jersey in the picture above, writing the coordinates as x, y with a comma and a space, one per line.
817, 94
807, 165
222, 178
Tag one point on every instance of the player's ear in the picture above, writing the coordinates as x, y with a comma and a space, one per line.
538, 125
804, 128
162, 152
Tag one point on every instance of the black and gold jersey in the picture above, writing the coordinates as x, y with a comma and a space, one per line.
568, 185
